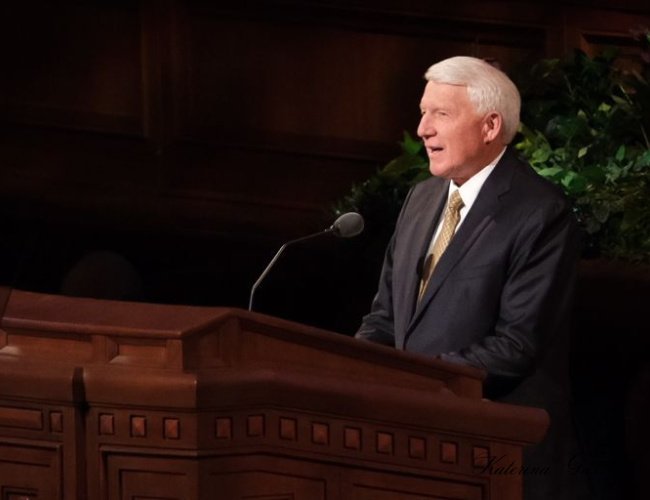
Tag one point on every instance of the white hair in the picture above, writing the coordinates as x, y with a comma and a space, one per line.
488, 88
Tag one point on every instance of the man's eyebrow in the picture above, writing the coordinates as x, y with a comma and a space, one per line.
436, 107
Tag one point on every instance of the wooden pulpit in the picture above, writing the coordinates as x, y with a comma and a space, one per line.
112, 400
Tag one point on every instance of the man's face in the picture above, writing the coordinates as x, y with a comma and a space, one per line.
456, 138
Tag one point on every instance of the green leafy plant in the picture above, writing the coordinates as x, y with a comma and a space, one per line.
585, 125
585, 128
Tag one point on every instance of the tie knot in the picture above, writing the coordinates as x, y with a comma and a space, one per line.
455, 202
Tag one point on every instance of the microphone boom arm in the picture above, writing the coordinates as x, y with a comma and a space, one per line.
276, 257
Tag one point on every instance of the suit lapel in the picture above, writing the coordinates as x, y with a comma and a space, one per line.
479, 217
420, 231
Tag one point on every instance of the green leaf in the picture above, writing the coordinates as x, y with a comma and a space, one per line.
643, 160
620, 153
574, 183
410, 145
541, 155
604, 107
550, 171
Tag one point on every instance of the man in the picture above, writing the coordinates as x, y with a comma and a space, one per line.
481, 266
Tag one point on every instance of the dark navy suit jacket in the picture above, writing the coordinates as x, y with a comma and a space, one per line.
499, 298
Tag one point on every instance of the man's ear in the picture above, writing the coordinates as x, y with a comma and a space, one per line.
492, 126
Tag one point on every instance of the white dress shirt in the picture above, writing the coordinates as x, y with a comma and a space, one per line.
468, 192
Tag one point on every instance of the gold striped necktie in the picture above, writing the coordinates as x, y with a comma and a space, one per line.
452, 216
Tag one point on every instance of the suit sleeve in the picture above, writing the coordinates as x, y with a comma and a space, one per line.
378, 325
535, 300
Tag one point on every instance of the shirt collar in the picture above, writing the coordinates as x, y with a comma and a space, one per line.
471, 187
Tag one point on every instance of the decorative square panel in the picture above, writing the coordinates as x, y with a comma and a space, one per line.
288, 429
417, 447
385, 443
255, 425
171, 428
448, 452
352, 438
223, 428
320, 433
138, 426
480, 456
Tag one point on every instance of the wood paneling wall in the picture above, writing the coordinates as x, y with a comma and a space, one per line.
252, 117
178, 123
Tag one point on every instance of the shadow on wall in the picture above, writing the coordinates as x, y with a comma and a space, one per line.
611, 378
103, 275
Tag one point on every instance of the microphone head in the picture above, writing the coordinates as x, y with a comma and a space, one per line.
347, 225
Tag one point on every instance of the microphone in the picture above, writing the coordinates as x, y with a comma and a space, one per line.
346, 226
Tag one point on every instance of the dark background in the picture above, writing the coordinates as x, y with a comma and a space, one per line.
190, 139
162, 151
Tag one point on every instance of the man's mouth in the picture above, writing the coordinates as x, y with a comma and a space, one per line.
433, 149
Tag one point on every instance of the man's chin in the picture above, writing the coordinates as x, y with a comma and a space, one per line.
439, 171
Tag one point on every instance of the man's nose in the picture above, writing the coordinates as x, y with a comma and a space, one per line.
425, 128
